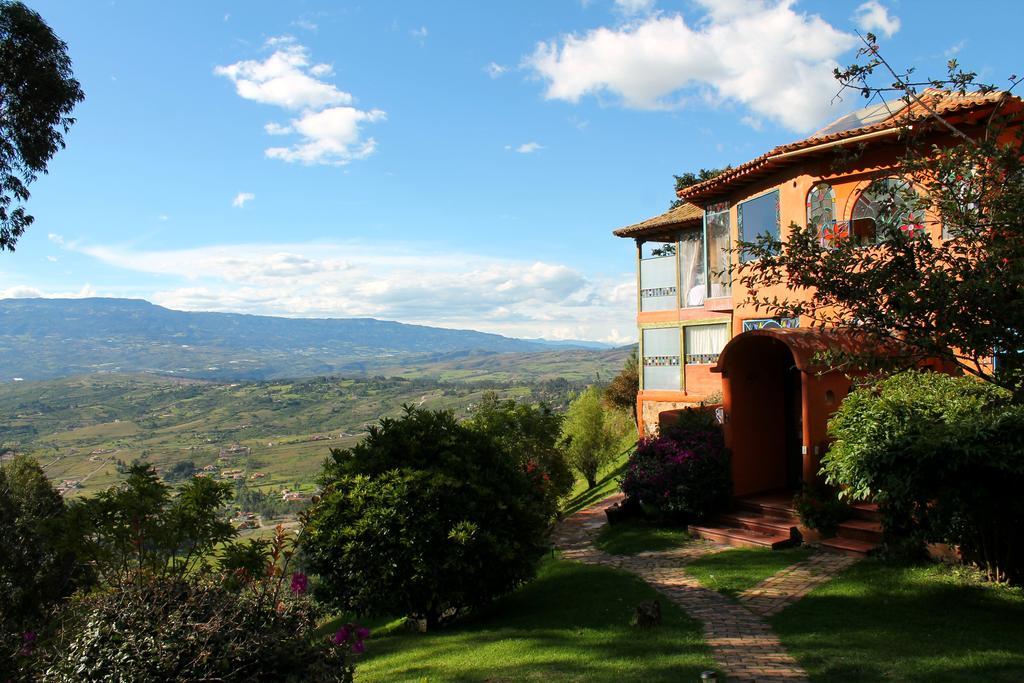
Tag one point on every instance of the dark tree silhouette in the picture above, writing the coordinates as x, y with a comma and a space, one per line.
37, 94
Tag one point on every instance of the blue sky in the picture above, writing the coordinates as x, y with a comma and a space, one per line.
459, 164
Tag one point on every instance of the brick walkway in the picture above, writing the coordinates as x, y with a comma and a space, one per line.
780, 590
742, 644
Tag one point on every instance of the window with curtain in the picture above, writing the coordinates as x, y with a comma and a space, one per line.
661, 359
691, 263
757, 217
703, 343
719, 261
657, 276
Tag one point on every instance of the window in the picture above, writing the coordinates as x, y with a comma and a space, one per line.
657, 276
703, 343
691, 264
718, 258
821, 215
757, 217
770, 323
886, 208
661, 359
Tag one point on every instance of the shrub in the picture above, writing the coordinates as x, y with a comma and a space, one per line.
531, 435
424, 518
682, 474
38, 564
591, 434
944, 459
820, 508
163, 628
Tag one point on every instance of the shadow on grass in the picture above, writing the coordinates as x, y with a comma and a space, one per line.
606, 485
637, 536
906, 623
570, 624
733, 571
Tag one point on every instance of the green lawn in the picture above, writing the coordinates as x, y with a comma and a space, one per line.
733, 571
607, 483
570, 624
636, 536
886, 623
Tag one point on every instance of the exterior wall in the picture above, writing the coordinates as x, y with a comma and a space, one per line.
651, 409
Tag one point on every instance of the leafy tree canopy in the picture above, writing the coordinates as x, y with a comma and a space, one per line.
689, 178
37, 94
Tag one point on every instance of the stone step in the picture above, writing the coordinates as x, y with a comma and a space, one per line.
861, 530
740, 537
771, 526
866, 511
850, 546
779, 511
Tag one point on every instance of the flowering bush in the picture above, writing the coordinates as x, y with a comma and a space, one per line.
682, 474
257, 626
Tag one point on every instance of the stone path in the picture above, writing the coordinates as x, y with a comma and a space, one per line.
742, 644
780, 590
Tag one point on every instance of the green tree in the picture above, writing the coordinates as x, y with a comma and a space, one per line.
590, 438
959, 298
530, 433
138, 529
689, 178
38, 567
37, 95
622, 390
426, 518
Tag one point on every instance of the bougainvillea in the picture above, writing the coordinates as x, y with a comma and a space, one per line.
683, 474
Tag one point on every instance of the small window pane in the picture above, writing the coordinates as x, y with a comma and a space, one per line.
884, 210
661, 359
719, 258
759, 216
821, 216
691, 257
770, 323
704, 343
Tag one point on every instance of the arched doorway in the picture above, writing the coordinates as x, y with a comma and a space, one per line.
763, 393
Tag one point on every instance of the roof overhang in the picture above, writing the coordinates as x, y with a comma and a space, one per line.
665, 226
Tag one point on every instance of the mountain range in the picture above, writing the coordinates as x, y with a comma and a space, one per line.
51, 338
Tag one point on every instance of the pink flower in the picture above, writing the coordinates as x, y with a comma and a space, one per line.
342, 635
300, 583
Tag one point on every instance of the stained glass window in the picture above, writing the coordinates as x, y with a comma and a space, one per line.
886, 208
821, 215
757, 217
770, 323
719, 260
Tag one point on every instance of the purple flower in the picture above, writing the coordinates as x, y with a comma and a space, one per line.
342, 635
362, 633
28, 643
358, 647
300, 583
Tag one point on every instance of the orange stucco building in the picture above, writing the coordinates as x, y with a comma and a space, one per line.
700, 343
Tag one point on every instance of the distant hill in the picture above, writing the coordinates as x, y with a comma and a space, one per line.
52, 338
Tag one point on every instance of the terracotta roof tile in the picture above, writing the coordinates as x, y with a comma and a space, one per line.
941, 102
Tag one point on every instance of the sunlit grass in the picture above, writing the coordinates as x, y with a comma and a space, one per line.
637, 536
924, 623
733, 571
571, 624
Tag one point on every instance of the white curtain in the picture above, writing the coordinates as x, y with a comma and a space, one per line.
705, 342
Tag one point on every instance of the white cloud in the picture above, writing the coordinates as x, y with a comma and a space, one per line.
306, 24
495, 70
411, 283
286, 78
52, 259
241, 199
634, 6
328, 126
163, 218
527, 147
420, 33
28, 292
762, 54
954, 50
332, 136
873, 16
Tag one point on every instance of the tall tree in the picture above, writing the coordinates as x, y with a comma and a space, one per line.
959, 297
622, 390
37, 94
690, 178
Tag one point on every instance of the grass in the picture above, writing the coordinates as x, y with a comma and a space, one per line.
608, 479
923, 623
636, 536
733, 571
570, 624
